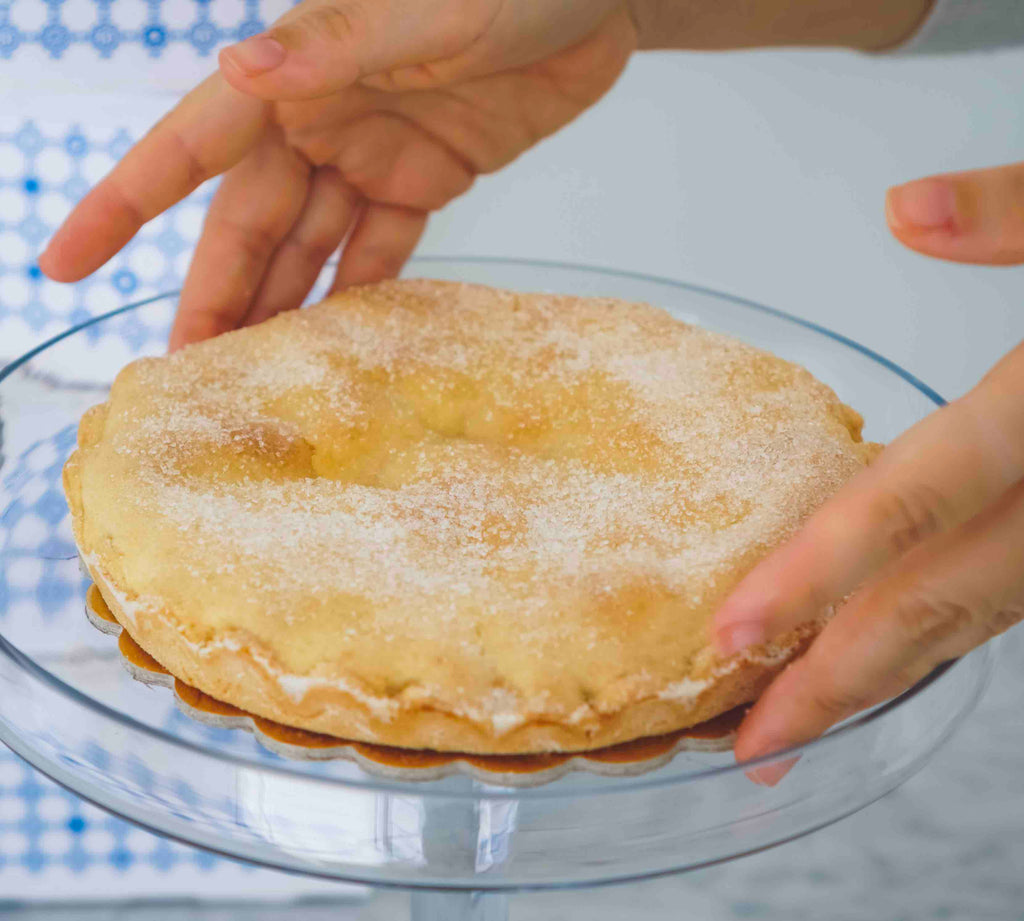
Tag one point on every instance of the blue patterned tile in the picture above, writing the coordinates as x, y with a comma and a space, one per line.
207, 29
57, 161
54, 163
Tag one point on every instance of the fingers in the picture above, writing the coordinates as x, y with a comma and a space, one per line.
322, 46
381, 242
331, 207
946, 598
402, 172
209, 131
252, 212
975, 216
392, 160
937, 475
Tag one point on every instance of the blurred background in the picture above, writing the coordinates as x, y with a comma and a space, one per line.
759, 173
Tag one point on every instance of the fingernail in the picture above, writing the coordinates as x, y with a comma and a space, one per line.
736, 637
256, 55
768, 775
926, 204
45, 264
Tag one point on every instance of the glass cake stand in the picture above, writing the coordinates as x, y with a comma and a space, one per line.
68, 708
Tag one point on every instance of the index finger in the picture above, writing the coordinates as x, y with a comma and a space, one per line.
934, 477
205, 134
943, 600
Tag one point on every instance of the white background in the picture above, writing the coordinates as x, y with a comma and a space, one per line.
763, 174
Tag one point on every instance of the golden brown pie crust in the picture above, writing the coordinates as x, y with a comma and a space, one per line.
636, 756
431, 515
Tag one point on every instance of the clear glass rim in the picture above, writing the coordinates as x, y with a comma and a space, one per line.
614, 785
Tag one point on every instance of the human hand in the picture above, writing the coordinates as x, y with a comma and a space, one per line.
928, 542
351, 120
375, 114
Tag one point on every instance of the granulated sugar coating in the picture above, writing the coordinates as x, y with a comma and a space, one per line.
440, 515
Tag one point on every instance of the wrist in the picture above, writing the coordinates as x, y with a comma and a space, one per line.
865, 25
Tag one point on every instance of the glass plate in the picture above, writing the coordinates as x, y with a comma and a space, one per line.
67, 706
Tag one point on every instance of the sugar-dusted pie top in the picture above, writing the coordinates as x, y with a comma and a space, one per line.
433, 498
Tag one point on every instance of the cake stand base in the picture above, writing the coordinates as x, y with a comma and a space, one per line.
459, 906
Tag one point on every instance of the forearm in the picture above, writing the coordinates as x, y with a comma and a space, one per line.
867, 25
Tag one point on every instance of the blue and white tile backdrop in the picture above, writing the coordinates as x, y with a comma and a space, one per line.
79, 81
44, 169
106, 26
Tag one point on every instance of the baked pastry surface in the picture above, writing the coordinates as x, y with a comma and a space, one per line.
433, 515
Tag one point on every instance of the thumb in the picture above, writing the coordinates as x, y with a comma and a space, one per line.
976, 216
322, 46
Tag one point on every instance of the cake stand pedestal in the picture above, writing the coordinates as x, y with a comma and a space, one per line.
459, 906
68, 708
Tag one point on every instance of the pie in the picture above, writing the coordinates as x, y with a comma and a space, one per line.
444, 516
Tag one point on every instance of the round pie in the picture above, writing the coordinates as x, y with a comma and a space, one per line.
435, 515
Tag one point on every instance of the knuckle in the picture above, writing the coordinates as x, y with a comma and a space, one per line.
419, 76
381, 264
1013, 176
411, 188
1001, 620
339, 22
910, 515
127, 204
254, 241
317, 248
910, 673
929, 621
375, 263
257, 244
387, 81
835, 701
197, 172
819, 598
